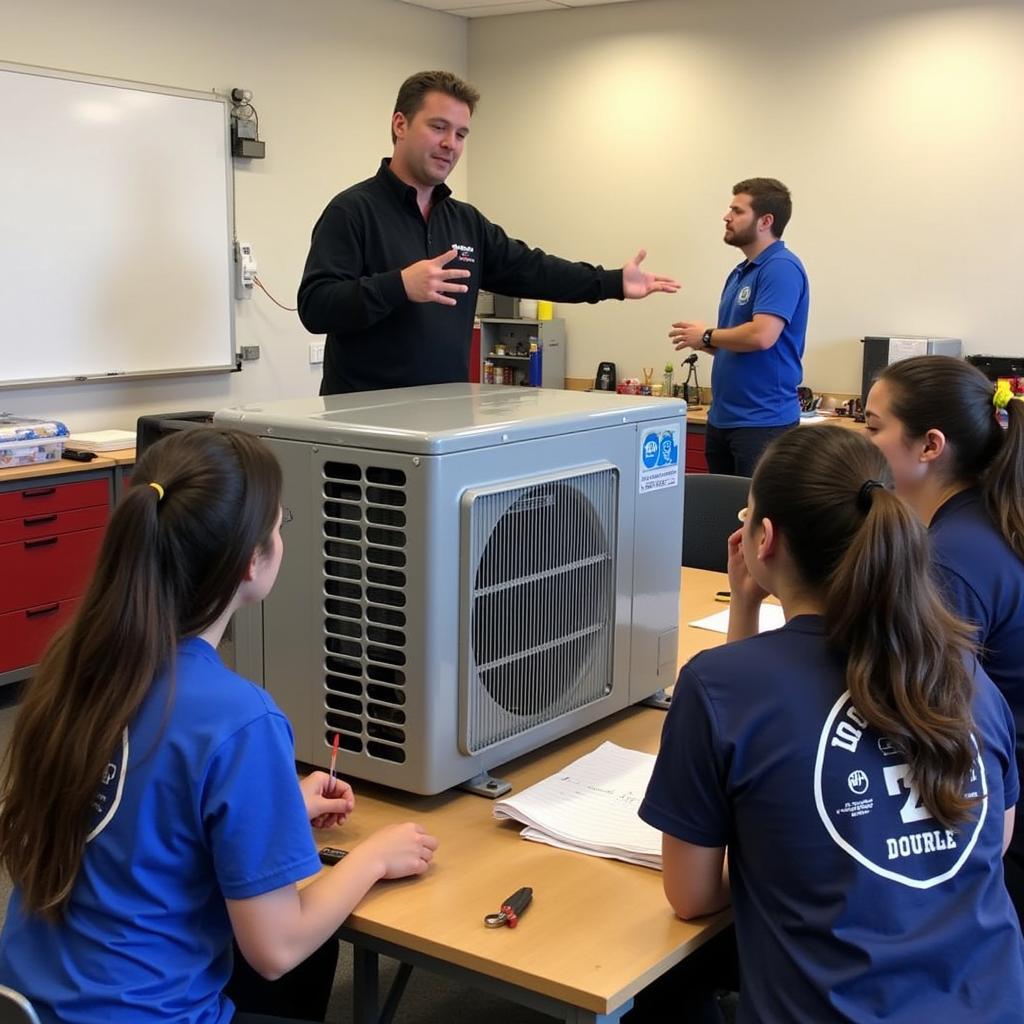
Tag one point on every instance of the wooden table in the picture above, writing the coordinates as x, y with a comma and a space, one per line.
598, 931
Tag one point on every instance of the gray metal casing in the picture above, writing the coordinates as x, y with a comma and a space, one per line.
883, 351
450, 440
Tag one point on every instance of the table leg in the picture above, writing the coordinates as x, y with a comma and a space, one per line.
576, 1015
394, 996
364, 986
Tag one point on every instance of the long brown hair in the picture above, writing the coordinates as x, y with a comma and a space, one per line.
168, 568
947, 394
866, 553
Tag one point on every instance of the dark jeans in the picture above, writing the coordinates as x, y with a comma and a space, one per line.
686, 993
300, 995
735, 451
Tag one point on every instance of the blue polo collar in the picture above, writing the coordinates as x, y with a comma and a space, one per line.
763, 255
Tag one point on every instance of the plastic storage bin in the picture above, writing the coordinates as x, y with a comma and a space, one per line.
25, 442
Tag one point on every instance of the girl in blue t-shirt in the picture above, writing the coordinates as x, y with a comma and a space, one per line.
151, 811
939, 422
857, 764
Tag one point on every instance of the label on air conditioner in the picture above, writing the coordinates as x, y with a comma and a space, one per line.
659, 459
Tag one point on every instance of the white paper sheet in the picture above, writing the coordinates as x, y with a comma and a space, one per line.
771, 617
590, 806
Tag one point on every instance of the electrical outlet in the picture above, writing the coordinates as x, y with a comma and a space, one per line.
316, 352
245, 270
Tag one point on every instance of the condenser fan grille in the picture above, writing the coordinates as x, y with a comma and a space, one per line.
542, 600
365, 582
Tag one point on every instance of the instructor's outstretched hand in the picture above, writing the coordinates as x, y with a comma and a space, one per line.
638, 284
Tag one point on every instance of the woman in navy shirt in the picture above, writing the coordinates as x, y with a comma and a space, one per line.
939, 422
857, 764
150, 806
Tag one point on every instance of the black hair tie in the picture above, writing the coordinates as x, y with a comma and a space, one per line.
864, 494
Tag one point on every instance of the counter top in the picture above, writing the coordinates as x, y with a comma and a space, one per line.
56, 468
699, 418
103, 460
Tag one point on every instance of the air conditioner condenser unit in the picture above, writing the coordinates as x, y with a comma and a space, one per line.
470, 572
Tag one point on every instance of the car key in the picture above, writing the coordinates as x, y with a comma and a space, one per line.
511, 909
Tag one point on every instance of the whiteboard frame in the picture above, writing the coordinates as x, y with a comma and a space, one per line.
234, 365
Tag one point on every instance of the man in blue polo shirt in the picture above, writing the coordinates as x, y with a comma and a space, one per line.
759, 341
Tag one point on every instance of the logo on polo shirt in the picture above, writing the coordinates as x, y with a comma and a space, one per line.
465, 253
744, 296
108, 796
892, 833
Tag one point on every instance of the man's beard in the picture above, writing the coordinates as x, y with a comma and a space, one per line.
741, 239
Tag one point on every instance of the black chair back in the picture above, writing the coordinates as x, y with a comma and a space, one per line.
710, 504
15, 1008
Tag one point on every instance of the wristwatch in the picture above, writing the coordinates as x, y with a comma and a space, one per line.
706, 337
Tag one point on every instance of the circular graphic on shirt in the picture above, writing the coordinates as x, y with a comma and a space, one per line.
872, 810
108, 795
858, 782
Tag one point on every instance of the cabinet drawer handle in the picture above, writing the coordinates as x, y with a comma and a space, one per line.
39, 492
39, 520
41, 542
34, 613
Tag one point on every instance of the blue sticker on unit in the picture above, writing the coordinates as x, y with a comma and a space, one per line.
668, 449
659, 460
650, 450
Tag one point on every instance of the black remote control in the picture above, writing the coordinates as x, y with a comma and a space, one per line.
331, 854
78, 455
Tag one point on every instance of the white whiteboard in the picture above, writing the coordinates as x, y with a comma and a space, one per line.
115, 229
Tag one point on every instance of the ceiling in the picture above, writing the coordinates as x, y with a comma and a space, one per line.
490, 8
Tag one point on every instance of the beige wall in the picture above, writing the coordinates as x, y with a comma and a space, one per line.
324, 75
899, 127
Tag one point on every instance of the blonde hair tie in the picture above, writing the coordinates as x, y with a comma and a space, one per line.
159, 491
1003, 395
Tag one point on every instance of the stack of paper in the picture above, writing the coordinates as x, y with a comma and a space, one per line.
102, 440
590, 807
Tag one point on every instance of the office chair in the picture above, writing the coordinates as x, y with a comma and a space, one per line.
15, 1008
710, 504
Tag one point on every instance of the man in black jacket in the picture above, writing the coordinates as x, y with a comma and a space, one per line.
395, 263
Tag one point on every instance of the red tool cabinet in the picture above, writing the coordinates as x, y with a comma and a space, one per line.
51, 528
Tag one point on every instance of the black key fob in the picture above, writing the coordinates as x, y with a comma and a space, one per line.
331, 854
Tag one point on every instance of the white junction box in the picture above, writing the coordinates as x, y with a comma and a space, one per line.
245, 270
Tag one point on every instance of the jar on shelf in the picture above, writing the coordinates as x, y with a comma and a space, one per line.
499, 375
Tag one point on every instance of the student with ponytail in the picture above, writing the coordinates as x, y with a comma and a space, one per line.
940, 423
857, 764
150, 805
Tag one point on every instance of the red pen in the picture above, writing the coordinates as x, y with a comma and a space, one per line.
334, 756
